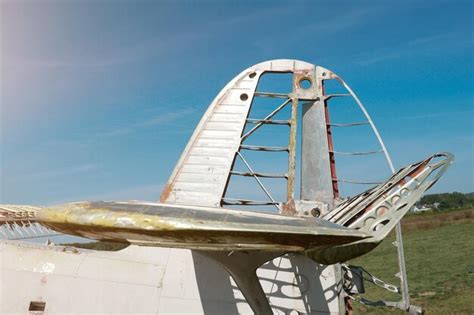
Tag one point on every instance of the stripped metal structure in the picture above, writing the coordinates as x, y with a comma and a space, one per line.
318, 224
18, 222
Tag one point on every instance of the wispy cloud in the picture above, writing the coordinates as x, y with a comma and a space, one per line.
118, 132
110, 52
166, 118
344, 22
130, 53
401, 50
55, 173
256, 16
145, 192
439, 114
315, 29
156, 120
430, 114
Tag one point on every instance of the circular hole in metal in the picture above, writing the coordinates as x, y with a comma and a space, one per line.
252, 75
244, 97
315, 212
381, 210
305, 83
369, 221
413, 183
395, 199
404, 192
380, 225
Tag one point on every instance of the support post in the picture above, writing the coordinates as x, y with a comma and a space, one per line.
316, 185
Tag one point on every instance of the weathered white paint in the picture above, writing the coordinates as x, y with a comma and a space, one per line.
146, 280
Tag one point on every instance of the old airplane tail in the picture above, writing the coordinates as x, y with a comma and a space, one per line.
242, 241
358, 224
194, 209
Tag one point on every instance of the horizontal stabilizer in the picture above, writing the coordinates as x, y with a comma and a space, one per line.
154, 224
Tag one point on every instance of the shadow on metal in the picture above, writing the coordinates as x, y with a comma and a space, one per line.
291, 284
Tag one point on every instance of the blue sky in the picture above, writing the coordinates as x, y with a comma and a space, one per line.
98, 98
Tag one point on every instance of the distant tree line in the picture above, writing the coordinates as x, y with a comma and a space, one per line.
454, 200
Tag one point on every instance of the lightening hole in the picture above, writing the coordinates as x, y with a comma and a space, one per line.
381, 224
305, 83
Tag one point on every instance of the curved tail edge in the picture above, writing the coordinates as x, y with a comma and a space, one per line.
378, 210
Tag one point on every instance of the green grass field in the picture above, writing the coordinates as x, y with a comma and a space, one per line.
439, 253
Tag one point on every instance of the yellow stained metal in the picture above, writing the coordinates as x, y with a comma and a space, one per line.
194, 227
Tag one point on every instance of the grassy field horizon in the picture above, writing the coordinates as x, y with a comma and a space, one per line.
439, 254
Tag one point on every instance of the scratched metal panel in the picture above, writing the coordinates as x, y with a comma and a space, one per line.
191, 283
210, 151
215, 143
195, 177
202, 169
80, 281
227, 118
232, 110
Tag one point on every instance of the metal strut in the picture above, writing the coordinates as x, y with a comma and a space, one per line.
273, 95
356, 182
349, 125
356, 153
266, 175
398, 229
269, 116
268, 121
259, 182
